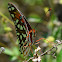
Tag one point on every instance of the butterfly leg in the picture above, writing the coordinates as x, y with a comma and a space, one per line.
25, 44
28, 46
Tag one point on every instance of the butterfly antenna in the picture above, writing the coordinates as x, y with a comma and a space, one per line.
36, 25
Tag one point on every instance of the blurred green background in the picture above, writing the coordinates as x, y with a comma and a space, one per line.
48, 24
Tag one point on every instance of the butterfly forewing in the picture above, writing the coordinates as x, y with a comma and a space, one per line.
22, 28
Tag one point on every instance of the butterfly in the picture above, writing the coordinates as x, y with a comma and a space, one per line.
23, 28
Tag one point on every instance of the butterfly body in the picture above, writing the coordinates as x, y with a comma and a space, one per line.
22, 28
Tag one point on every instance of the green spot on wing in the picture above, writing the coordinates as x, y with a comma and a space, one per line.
18, 34
16, 28
18, 25
24, 27
22, 42
17, 21
20, 37
24, 35
9, 9
12, 8
21, 27
12, 15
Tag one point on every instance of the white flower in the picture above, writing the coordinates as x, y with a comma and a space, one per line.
58, 41
38, 48
2, 49
34, 60
37, 59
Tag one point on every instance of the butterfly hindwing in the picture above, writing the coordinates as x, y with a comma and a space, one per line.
22, 28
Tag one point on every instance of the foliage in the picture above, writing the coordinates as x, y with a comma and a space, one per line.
53, 25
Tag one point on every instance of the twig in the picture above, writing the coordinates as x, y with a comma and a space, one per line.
46, 51
51, 48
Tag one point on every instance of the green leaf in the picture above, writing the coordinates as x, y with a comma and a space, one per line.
8, 52
16, 51
12, 52
56, 33
53, 17
59, 57
1, 14
60, 1
34, 16
38, 20
7, 29
13, 58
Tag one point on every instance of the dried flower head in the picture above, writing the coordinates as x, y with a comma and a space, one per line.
2, 49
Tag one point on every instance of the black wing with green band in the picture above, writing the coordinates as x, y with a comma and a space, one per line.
22, 28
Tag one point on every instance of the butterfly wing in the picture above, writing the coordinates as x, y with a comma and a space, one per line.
22, 28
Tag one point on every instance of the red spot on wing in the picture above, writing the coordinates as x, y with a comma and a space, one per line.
22, 20
31, 32
34, 30
17, 15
